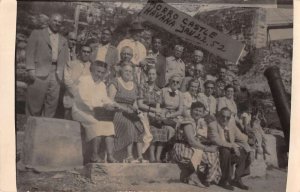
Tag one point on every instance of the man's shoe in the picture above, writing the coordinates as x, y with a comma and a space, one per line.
206, 183
240, 185
226, 186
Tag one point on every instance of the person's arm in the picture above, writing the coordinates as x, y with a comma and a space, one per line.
31, 50
214, 136
112, 91
193, 142
220, 104
68, 81
180, 108
145, 107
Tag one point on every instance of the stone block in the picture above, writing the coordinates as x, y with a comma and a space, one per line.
277, 149
52, 144
147, 172
258, 167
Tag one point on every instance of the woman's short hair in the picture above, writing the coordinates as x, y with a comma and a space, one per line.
209, 82
229, 86
100, 64
197, 104
193, 81
177, 75
150, 67
126, 63
223, 109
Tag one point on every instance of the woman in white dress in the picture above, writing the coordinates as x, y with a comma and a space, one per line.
91, 95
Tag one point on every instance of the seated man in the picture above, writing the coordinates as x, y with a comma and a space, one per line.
233, 149
91, 95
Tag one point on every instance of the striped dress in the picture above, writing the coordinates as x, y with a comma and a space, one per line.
128, 128
182, 153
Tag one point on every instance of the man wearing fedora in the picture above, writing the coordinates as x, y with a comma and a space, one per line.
139, 50
46, 55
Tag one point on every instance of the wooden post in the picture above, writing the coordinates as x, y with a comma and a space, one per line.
76, 19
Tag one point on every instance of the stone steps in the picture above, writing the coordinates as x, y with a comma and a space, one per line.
147, 172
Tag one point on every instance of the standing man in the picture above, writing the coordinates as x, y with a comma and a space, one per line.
72, 40
139, 50
198, 72
223, 76
208, 99
73, 71
46, 55
174, 64
105, 51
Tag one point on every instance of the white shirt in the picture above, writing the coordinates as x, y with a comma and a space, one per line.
91, 94
101, 54
174, 66
54, 38
210, 103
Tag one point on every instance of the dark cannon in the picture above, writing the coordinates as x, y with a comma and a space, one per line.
280, 99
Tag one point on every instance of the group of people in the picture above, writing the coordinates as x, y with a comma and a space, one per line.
122, 94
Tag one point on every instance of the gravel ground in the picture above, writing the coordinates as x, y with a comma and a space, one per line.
275, 181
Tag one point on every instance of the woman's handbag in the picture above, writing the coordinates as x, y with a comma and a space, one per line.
102, 114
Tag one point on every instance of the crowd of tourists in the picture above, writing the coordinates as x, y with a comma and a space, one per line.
154, 108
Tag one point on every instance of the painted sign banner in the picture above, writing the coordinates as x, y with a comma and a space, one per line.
192, 30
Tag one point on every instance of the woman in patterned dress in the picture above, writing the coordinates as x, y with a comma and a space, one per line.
128, 127
192, 150
172, 109
149, 101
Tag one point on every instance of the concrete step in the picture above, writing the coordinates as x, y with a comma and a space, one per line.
147, 172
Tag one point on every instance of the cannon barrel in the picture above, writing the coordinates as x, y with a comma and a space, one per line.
280, 99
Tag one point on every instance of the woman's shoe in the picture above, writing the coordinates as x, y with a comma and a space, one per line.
96, 161
141, 160
112, 160
129, 159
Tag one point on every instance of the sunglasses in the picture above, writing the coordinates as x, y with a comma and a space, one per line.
83, 51
226, 117
175, 82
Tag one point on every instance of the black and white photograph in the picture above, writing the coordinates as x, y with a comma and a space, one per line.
153, 95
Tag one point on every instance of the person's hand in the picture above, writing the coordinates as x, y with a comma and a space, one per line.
129, 110
211, 149
236, 151
109, 107
31, 76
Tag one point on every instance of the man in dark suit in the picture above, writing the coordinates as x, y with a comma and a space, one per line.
46, 54
233, 149
105, 51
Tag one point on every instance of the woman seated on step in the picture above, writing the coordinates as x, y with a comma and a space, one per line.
192, 150
91, 96
172, 108
150, 99
128, 127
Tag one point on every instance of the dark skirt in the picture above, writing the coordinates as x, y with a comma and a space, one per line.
160, 131
128, 129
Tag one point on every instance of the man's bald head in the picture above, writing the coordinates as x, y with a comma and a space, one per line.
55, 22
72, 38
126, 53
197, 56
